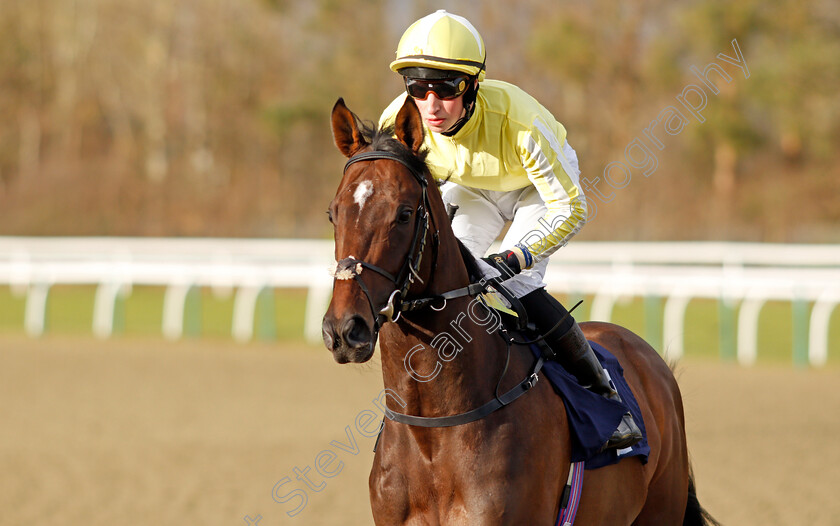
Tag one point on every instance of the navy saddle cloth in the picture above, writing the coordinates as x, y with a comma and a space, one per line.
592, 417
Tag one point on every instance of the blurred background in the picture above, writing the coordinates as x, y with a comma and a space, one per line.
195, 134
211, 117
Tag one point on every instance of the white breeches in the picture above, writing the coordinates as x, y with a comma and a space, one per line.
481, 216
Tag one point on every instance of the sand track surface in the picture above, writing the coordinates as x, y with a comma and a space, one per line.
137, 432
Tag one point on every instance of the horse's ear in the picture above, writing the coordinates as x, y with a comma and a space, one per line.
409, 126
345, 130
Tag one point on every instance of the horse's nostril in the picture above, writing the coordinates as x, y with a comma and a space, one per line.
331, 340
356, 332
328, 339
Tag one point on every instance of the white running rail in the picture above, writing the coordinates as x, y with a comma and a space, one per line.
747, 273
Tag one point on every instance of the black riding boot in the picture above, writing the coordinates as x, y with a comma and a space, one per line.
575, 354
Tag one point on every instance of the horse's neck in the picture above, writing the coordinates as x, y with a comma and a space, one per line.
442, 363
448, 361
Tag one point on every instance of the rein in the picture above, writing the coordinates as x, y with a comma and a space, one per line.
351, 268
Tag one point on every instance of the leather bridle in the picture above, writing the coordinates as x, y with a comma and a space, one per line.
409, 273
397, 303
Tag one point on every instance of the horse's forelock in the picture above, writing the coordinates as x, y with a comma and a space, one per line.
382, 139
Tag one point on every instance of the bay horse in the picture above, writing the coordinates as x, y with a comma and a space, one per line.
401, 278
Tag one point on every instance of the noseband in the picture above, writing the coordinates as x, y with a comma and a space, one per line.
410, 270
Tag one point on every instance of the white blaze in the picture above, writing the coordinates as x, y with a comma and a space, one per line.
363, 191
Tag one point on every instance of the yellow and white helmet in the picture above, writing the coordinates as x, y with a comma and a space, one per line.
442, 41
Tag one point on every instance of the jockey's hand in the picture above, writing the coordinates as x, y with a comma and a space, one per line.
510, 262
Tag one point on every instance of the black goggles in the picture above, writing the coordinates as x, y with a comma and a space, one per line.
444, 89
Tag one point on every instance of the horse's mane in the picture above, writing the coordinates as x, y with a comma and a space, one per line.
470, 262
382, 139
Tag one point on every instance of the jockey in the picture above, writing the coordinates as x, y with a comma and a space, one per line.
504, 158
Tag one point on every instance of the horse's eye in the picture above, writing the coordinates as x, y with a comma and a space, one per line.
404, 216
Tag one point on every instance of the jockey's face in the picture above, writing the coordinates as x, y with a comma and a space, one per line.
438, 114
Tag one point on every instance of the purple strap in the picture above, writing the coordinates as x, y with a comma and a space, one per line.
574, 486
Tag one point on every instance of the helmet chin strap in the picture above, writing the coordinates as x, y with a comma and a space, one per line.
469, 107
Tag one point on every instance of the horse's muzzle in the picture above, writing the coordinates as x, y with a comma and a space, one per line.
349, 339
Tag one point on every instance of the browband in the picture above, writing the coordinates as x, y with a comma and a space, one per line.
379, 154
